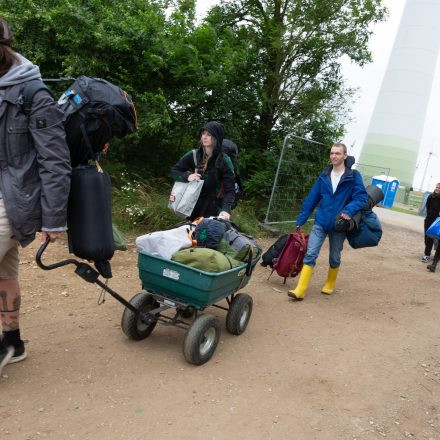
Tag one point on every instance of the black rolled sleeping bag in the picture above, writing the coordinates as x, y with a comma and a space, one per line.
89, 217
375, 196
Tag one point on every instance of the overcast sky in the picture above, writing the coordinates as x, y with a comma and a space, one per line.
368, 80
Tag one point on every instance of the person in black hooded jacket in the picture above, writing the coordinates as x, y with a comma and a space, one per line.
216, 170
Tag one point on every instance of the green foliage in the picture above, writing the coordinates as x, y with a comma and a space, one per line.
405, 210
122, 41
245, 216
295, 51
140, 207
265, 68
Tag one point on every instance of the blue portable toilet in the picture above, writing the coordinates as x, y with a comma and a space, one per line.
389, 185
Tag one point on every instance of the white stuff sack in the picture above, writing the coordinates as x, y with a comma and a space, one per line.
184, 196
164, 243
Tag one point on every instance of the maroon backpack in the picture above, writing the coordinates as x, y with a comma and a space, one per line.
290, 261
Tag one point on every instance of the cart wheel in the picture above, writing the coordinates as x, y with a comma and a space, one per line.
201, 339
132, 324
239, 314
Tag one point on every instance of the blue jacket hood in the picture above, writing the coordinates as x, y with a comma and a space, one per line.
350, 161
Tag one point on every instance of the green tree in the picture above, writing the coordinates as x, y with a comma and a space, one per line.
300, 44
293, 59
122, 41
263, 67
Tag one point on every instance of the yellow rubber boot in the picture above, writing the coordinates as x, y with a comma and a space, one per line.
303, 283
329, 285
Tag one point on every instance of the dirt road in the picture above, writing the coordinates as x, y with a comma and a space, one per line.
363, 363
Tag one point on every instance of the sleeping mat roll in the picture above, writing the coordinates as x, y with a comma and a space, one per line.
89, 217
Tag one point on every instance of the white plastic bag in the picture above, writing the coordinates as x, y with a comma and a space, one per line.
164, 243
184, 196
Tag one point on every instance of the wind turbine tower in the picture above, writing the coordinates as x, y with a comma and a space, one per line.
396, 126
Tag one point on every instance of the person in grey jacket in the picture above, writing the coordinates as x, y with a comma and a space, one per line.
34, 181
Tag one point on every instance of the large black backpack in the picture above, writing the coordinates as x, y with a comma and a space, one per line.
231, 150
96, 111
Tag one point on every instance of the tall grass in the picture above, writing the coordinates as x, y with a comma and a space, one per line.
141, 206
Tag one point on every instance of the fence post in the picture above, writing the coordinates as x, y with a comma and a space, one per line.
276, 177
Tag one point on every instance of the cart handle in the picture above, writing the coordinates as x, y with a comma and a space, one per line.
84, 271
249, 263
55, 265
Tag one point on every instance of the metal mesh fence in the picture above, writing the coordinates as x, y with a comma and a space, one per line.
370, 171
300, 163
301, 160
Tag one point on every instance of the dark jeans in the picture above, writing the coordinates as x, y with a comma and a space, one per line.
429, 242
437, 254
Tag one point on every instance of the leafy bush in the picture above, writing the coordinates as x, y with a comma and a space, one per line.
140, 207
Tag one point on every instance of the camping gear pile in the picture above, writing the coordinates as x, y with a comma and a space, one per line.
189, 268
209, 244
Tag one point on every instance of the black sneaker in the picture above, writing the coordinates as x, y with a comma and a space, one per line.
6, 354
19, 354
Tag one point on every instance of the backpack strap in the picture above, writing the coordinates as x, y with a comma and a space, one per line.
28, 93
195, 160
218, 166
87, 141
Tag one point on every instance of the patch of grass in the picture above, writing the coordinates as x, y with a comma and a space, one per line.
287, 228
404, 210
141, 206
245, 217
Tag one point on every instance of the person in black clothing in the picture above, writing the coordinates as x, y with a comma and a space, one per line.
216, 170
431, 267
432, 212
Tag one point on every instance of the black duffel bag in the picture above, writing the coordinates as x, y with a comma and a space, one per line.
89, 217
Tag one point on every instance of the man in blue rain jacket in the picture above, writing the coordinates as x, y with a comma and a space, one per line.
338, 191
